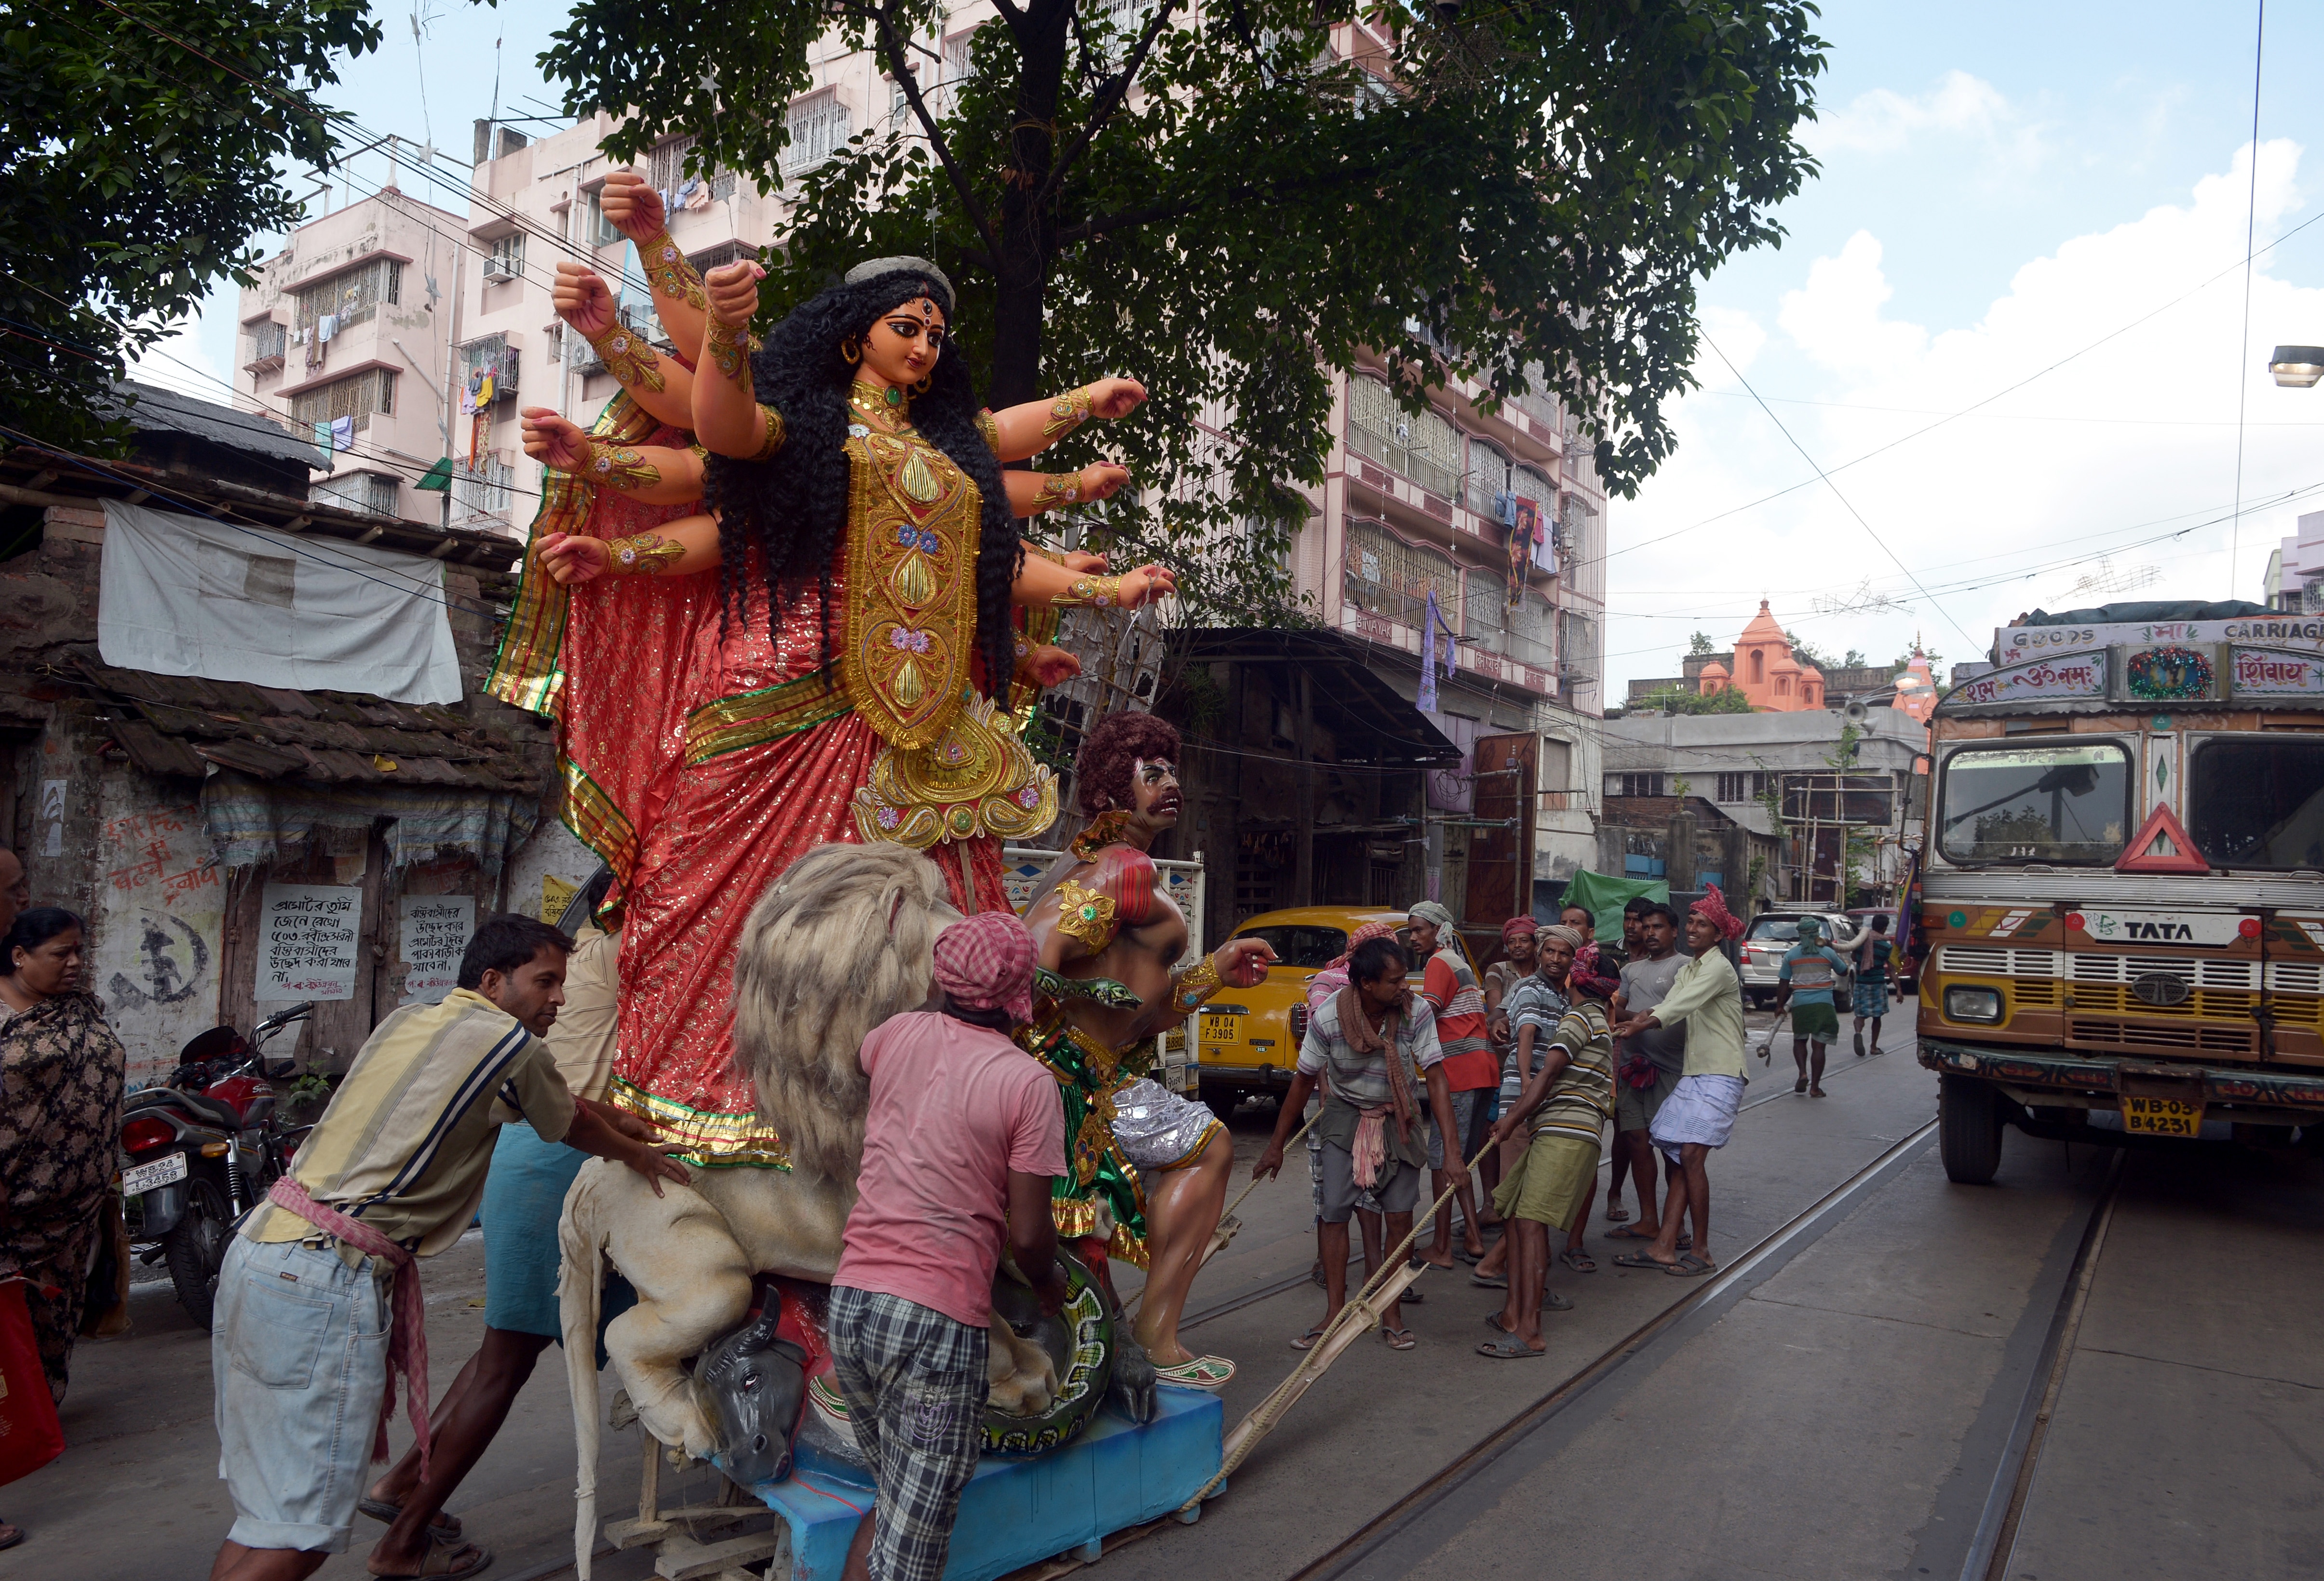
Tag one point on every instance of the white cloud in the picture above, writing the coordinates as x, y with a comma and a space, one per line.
2023, 496
1960, 109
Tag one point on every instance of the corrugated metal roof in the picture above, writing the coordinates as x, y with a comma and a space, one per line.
160, 411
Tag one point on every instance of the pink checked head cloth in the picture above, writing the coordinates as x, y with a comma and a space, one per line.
985, 963
1713, 909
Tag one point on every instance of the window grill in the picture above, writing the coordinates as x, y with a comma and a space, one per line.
1387, 576
1489, 478
666, 169
485, 495
353, 296
372, 494
358, 396
268, 342
721, 255
493, 354
818, 129
1422, 445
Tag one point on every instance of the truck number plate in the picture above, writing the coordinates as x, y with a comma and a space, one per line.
2162, 1116
1219, 1029
161, 1172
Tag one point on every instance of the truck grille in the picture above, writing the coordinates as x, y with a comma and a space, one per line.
2193, 1038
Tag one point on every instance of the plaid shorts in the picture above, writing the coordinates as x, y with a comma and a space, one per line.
915, 1384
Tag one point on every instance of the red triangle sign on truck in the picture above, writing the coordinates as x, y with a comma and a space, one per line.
2162, 847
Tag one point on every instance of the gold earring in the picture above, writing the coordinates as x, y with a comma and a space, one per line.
920, 387
850, 352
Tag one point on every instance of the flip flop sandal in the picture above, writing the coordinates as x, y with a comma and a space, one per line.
1629, 1233
443, 1529
443, 1564
1551, 1301
10, 1536
1617, 1213
1687, 1267
1470, 1257
1493, 1321
1638, 1260
1489, 1280
1315, 1277
1859, 1043
1581, 1262
1201, 1372
1801, 1085
1308, 1340
1511, 1349
1398, 1338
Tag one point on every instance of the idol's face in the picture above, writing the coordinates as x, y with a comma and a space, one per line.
1155, 798
903, 345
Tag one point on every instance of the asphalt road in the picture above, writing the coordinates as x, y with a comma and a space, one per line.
1852, 1400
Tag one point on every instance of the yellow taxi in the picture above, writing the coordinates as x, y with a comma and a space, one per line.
1247, 1040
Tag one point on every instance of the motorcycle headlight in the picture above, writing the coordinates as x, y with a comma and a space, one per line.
1982, 1005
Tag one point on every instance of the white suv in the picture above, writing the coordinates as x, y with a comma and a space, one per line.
1771, 934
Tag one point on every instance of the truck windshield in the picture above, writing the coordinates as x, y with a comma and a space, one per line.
2062, 804
2258, 803
1306, 946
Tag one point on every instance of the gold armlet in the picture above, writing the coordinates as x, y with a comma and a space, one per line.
671, 274
1190, 989
649, 553
774, 439
1086, 915
1066, 413
627, 357
1104, 591
989, 429
729, 348
1057, 488
620, 466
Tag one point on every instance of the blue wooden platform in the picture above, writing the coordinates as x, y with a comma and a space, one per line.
1021, 1509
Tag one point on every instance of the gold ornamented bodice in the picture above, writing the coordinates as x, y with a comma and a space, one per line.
953, 768
915, 520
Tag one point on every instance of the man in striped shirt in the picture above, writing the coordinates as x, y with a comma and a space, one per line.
301, 1349
1472, 1071
1565, 1104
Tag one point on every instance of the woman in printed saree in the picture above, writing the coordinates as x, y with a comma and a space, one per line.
828, 652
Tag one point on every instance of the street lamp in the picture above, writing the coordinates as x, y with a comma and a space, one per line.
2297, 367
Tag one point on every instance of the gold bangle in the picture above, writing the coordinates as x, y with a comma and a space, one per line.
774, 439
1103, 592
1066, 413
729, 348
620, 466
667, 268
1058, 489
989, 429
1086, 915
1190, 989
647, 553
628, 357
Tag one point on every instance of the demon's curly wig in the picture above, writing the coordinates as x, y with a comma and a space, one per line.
790, 512
1109, 754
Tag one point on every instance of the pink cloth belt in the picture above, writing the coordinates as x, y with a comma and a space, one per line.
1371, 1149
407, 1338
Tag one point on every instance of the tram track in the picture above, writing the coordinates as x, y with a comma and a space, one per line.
1636, 1353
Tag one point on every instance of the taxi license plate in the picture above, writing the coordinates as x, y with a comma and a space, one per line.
161, 1172
2162, 1116
1219, 1029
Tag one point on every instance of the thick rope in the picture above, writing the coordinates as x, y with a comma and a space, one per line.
1359, 1309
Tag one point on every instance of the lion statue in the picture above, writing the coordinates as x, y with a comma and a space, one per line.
842, 940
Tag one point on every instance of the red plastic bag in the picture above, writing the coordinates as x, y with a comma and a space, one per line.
30, 1436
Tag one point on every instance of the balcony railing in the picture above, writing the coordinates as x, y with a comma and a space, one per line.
819, 130
1429, 474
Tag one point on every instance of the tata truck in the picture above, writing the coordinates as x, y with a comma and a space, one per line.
2120, 903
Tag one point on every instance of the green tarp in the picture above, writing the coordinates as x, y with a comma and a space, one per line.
1605, 896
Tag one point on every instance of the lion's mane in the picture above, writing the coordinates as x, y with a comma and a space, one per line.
842, 941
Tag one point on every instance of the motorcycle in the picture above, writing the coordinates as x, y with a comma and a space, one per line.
203, 1151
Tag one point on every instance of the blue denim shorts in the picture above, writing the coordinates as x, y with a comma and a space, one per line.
299, 1353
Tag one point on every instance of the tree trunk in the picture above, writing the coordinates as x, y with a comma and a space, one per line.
1027, 235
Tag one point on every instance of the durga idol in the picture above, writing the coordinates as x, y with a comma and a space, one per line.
816, 655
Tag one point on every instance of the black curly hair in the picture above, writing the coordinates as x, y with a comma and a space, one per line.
790, 512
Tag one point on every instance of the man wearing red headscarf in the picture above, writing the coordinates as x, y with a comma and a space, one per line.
962, 1139
1699, 1116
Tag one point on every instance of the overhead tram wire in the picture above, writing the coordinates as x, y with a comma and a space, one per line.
1974, 406
1836, 495
2242, 343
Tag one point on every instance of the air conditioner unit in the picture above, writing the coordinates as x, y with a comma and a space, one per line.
499, 267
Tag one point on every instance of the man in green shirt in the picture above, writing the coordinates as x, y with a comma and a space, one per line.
1699, 1115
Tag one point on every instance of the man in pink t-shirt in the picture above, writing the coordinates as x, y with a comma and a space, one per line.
962, 1137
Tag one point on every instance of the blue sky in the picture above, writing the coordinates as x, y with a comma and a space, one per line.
2001, 186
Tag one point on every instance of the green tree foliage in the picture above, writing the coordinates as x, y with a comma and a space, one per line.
1528, 194
1699, 643
141, 140
1677, 700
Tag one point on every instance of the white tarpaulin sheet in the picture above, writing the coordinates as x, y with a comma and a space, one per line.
183, 596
